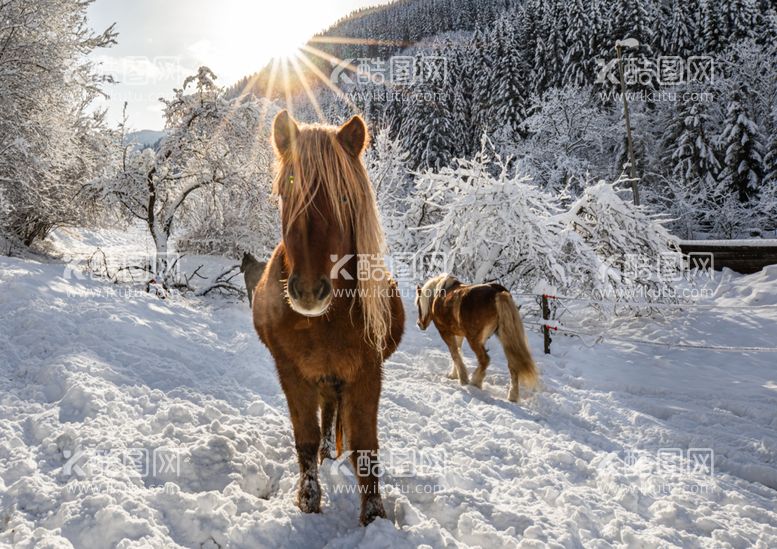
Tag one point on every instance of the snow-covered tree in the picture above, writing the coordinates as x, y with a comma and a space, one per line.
676, 33
510, 90
632, 19
766, 29
427, 125
209, 143
387, 166
231, 219
767, 205
601, 246
548, 68
740, 18
51, 140
692, 164
742, 146
713, 27
636, 251
567, 134
488, 226
578, 61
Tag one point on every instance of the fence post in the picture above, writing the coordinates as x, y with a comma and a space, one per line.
545, 328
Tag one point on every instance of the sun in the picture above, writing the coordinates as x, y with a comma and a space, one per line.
250, 34
283, 43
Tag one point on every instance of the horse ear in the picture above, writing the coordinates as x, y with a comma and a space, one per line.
418, 289
284, 132
353, 135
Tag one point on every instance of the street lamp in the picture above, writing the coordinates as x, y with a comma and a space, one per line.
628, 43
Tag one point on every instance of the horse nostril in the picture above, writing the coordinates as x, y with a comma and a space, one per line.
324, 288
293, 287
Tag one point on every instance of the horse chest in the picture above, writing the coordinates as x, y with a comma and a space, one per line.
319, 349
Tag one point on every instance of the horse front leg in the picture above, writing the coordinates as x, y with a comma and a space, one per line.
360, 415
328, 412
302, 398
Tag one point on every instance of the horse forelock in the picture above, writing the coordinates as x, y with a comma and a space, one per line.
318, 163
431, 289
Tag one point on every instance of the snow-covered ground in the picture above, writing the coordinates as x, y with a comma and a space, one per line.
130, 421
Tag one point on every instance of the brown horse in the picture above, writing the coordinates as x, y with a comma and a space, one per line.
328, 327
252, 270
476, 312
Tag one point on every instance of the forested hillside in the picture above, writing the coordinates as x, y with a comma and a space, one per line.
539, 79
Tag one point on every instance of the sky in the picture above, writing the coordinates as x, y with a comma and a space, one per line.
162, 42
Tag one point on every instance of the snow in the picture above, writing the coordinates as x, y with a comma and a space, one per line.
576, 463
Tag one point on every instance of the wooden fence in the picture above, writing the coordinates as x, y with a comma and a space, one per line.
742, 256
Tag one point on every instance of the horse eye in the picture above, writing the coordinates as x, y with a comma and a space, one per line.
344, 199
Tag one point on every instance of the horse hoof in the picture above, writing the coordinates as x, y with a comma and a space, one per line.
464, 381
371, 509
309, 495
453, 375
512, 396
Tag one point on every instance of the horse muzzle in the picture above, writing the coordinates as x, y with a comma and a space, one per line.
309, 299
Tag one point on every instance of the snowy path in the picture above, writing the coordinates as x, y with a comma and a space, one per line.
574, 465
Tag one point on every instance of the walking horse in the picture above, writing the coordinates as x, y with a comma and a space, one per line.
328, 329
476, 312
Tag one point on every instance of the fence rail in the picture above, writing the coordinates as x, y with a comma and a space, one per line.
742, 256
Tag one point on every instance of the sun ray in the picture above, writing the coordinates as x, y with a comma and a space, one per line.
270, 89
325, 79
261, 134
358, 41
287, 86
333, 59
236, 103
311, 97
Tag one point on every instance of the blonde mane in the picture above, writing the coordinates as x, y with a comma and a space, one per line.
317, 160
431, 289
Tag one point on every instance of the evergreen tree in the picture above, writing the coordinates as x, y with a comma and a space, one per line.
427, 130
578, 60
482, 93
742, 149
460, 87
691, 162
602, 42
739, 18
549, 52
770, 160
439, 145
713, 28
767, 205
511, 95
767, 28
630, 19
675, 35
690, 151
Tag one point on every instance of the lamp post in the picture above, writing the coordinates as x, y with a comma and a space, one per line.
628, 43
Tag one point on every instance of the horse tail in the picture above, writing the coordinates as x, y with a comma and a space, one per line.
339, 427
513, 338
